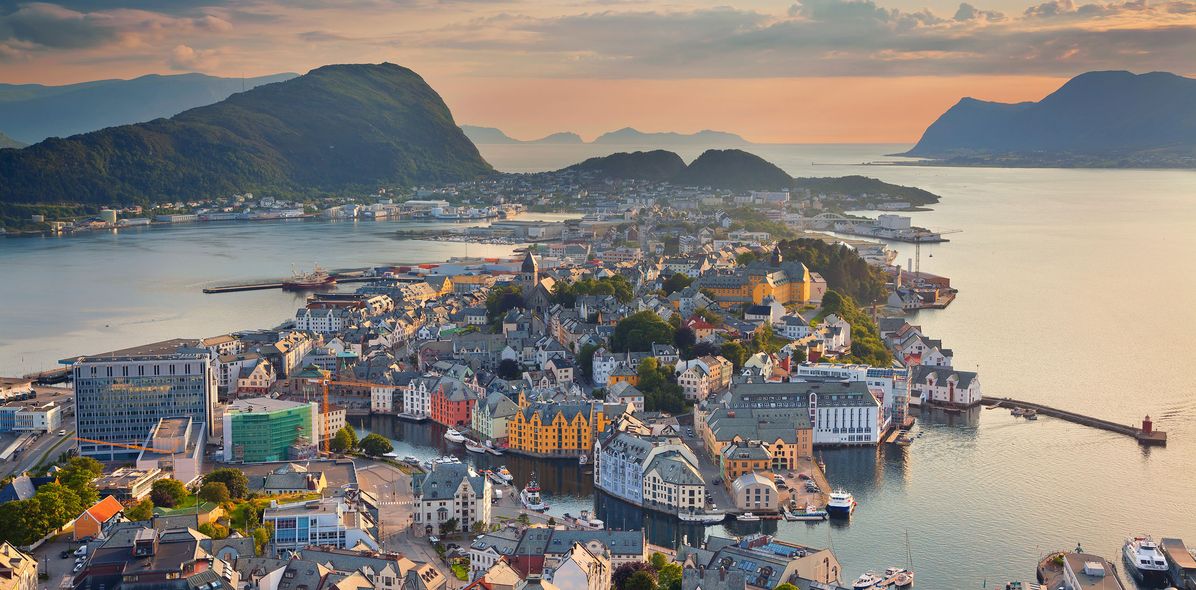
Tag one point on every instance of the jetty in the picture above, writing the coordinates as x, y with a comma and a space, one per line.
1145, 434
278, 285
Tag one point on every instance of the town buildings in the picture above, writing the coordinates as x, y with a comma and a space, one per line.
18, 571
653, 471
784, 282
98, 518
945, 386
554, 429
264, 429
30, 416
176, 446
765, 561
490, 417
335, 522
128, 484
451, 491
140, 558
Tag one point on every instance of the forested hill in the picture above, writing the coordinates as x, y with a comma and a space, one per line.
337, 127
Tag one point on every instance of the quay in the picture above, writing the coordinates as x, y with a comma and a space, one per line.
1145, 435
278, 285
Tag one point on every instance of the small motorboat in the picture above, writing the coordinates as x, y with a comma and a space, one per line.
490, 448
809, 513
1031, 414
702, 517
505, 474
868, 581
1017, 412
585, 521
474, 447
410, 460
452, 435
747, 517
899, 577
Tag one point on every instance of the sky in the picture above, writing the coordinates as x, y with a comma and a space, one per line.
802, 71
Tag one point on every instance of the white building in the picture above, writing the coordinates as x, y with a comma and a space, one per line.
486, 550
452, 491
945, 386
333, 522
31, 417
890, 386
578, 569
658, 472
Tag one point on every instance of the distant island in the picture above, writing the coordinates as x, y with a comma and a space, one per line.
339, 127
1095, 120
30, 113
624, 136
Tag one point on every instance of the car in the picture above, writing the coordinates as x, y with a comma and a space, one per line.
78, 567
62, 433
82, 550
453, 546
433, 539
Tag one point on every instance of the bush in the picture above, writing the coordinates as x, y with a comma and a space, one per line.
168, 492
375, 445
234, 480
215, 491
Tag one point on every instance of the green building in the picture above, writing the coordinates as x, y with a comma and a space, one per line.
265, 429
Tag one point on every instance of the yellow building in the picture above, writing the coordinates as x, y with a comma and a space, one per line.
558, 428
18, 571
786, 282
785, 433
623, 374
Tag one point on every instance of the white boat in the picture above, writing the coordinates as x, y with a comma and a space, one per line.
842, 504
810, 513
452, 435
747, 517
585, 521
496, 478
582, 459
899, 577
1145, 560
702, 517
867, 581
474, 447
505, 474
427, 465
530, 496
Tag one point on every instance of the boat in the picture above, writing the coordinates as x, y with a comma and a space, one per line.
1031, 414
490, 448
842, 504
809, 513
747, 517
427, 465
1017, 412
505, 474
530, 496
867, 581
494, 477
585, 521
582, 459
899, 577
411, 460
1145, 560
474, 447
702, 517
452, 435
315, 279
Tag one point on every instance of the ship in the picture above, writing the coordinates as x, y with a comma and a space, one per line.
315, 279
1145, 560
747, 517
899, 577
530, 496
585, 521
474, 447
452, 435
842, 504
810, 512
505, 474
702, 517
867, 581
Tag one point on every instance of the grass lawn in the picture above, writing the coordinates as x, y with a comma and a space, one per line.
461, 571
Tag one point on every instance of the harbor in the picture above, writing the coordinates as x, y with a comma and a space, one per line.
1145, 435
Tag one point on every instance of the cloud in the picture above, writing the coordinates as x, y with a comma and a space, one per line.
187, 59
967, 12
42, 26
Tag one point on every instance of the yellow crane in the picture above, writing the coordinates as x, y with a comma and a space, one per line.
125, 446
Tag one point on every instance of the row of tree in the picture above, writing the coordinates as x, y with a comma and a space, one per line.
53, 505
374, 445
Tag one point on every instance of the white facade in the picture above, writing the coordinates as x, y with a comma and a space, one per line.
890, 386
854, 420
330, 521
417, 399
452, 492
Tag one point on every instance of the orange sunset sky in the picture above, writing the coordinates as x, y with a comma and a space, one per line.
796, 71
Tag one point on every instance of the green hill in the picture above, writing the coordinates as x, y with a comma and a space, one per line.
336, 127
733, 169
656, 165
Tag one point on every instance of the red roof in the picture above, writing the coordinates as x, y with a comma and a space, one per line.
698, 323
105, 509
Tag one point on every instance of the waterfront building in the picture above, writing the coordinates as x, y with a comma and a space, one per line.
741, 457
121, 396
945, 386
176, 446
490, 416
452, 401
264, 429
1083, 571
655, 471
451, 491
784, 282
672, 482
578, 569
889, 385
754, 492
766, 561
128, 484
18, 571
334, 522
549, 428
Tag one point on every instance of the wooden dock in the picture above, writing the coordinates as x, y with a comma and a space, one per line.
1149, 437
278, 285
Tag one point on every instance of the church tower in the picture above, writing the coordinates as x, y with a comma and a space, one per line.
776, 256
529, 272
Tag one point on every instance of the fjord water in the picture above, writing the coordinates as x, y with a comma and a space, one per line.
1075, 290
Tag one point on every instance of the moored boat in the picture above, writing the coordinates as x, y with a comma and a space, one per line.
702, 517
747, 517
585, 521
867, 581
474, 447
899, 577
452, 435
315, 279
505, 474
841, 505
1145, 560
530, 496
809, 513
490, 448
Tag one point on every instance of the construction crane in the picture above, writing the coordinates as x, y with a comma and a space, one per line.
327, 426
124, 446
922, 235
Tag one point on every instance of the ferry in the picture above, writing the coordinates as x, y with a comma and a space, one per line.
702, 517
867, 581
530, 496
315, 279
809, 513
842, 504
747, 517
505, 475
474, 447
452, 435
1145, 560
584, 521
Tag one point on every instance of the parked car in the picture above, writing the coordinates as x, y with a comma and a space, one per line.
78, 567
82, 550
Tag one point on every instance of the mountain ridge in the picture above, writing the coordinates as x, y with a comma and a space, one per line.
625, 136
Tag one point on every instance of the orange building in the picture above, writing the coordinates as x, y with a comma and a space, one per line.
96, 519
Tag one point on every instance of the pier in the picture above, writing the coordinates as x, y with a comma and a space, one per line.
1146, 435
278, 285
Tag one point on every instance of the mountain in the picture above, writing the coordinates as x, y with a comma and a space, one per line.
492, 135
733, 169
656, 165
629, 136
32, 112
8, 142
336, 127
1095, 119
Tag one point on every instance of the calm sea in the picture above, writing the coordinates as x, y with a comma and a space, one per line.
1075, 290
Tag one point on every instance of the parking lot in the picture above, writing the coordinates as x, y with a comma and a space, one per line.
50, 559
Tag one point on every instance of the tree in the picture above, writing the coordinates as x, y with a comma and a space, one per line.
736, 353
585, 361
234, 480
78, 475
214, 530
342, 442
703, 349
261, 538
639, 331
785, 586
449, 527
641, 580
551, 521
523, 519
502, 299
353, 438
143, 510
623, 573
168, 492
509, 369
676, 283
658, 560
215, 491
684, 338
375, 445
478, 527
